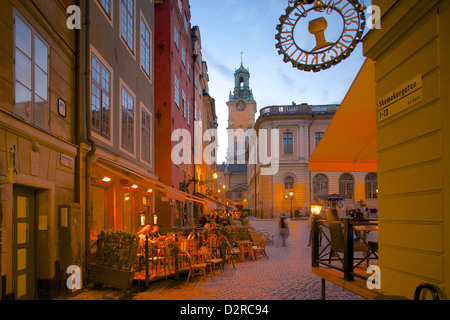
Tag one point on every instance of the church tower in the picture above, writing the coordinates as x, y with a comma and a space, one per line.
241, 110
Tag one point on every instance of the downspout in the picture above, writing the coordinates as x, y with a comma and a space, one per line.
90, 153
309, 156
78, 108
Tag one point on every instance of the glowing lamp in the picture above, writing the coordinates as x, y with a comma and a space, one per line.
316, 207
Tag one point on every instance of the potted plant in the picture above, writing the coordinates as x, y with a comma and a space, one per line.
116, 259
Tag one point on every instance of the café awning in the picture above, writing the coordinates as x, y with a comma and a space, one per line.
349, 143
171, 193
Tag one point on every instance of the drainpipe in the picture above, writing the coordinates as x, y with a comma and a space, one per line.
309, 156
78, 109
87, 106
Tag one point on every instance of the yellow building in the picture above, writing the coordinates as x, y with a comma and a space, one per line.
405, 105
410, 54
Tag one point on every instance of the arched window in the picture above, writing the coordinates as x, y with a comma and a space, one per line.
288, 186
371, 186
347, 185
320, 185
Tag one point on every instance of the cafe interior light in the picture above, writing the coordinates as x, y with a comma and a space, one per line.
215, 176
142, 219
224, 186
155, 218
316, 207
134, 186
150, 190
106, 179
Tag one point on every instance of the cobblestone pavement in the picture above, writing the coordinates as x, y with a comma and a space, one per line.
286, 275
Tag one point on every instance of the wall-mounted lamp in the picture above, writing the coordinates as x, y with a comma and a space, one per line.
142, 219
106, 179
155, 218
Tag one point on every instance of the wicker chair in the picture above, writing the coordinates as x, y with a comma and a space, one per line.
260, 248
195, 268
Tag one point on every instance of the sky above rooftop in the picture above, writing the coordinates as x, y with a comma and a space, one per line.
229, 27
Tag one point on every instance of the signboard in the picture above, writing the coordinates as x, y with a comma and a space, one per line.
67, 161
400, 99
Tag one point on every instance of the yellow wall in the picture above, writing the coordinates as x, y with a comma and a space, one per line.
413, 155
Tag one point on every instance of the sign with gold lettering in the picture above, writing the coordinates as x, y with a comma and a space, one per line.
316, 35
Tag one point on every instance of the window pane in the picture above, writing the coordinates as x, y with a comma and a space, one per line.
41, 54
22, 108
23, 37
40, 112
41, 87
23, 69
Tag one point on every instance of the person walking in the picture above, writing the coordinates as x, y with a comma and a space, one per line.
284, 229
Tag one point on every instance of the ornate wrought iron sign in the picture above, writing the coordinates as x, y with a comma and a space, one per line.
316, 35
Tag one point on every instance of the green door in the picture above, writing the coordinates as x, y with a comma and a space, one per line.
23, 244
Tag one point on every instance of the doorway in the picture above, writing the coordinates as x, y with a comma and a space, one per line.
24, 243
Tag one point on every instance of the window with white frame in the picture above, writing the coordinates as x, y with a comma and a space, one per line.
106, 5
371, 186
127, 26
195, 110
317, 137
146, 53
183, 103
146, 134
320, 185
189, 113
177, 90
347, 185
127, 102
100, 98
176, 36
180, 5
183, 55
186, 24
31, 74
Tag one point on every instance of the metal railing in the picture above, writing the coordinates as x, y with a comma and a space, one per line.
327, 253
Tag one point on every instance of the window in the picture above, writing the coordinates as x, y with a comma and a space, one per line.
176, 37
127, 27
288, 185
186, 24
146, 122
195, 110
106, 5
180, 5
127, 121
188, 115
183, 55
346, 185
371, 186
177, 91
320, 185
288, 145
31, 80
146, 53
183, 103
318, 136
100, 98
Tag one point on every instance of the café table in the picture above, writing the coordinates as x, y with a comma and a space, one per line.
365, 229
245, 246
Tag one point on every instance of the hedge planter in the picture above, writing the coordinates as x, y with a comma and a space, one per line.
110, 277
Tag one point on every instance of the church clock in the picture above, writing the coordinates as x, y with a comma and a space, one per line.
241, 105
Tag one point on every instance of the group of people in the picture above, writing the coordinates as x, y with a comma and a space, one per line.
221, 217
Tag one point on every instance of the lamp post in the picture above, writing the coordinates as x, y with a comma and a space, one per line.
291, 194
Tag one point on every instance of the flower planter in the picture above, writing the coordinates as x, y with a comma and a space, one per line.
110, 277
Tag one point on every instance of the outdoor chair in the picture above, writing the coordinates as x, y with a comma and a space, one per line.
260, 248
232, 251
337, 242
209, 259
195, 268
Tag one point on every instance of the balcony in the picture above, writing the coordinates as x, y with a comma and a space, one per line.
301, 109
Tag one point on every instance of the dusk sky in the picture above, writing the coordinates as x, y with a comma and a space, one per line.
230, 27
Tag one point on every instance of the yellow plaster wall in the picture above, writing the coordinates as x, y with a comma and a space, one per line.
413, 178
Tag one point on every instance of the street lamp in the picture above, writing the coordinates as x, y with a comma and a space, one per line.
291, 194
316, 207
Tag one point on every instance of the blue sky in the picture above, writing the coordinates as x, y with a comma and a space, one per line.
229, 27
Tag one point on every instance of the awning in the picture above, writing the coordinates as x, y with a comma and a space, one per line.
219, 200
349, 143
170, 192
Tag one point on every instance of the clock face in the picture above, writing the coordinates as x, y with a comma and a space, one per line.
319, 35
240, 105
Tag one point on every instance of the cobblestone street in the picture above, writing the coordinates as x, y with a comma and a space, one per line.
285, 276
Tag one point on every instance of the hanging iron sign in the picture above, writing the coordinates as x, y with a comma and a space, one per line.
315, 35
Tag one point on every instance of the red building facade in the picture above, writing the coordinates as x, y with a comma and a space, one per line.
175, 82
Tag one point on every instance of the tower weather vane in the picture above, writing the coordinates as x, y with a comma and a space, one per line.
310, 20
